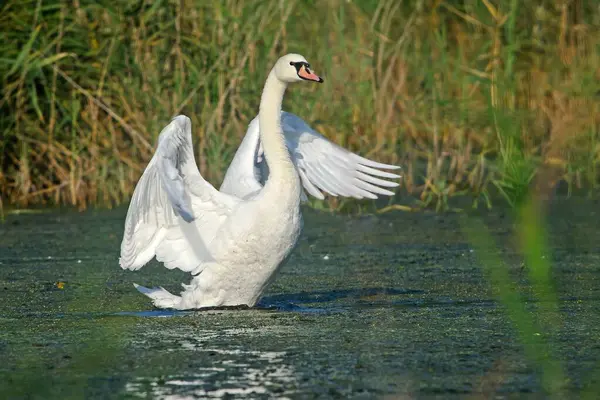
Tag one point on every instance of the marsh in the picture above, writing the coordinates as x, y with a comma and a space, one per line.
400, 306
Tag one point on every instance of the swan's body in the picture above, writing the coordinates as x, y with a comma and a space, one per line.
233, 244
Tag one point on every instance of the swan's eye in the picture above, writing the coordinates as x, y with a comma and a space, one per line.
292, 63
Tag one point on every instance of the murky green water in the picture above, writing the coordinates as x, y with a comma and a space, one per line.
366, 307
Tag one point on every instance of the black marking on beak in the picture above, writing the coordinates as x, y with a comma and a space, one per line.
298, 65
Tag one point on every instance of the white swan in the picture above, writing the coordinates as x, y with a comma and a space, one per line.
321, 164
232, 244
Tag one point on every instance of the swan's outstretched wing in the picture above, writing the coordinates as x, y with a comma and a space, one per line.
321, 164
174, 213
325, 166
243, 176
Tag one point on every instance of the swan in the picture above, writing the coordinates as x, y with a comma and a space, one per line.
232, 241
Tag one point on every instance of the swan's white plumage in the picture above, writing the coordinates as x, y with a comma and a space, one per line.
173, 206
234, 241
243, 178
322, 165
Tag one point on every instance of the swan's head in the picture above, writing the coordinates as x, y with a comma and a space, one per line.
294, 68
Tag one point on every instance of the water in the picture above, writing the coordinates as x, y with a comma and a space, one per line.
367, 307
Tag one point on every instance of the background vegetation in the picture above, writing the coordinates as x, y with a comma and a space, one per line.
471, 97
466, 95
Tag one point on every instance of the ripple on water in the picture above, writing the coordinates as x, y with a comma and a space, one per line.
234, 371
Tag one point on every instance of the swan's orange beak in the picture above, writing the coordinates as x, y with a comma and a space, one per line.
305, 73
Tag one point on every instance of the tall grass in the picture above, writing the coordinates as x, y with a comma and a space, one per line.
467, 95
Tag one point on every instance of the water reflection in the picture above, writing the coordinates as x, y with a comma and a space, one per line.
154, 313
229, 370
288, 301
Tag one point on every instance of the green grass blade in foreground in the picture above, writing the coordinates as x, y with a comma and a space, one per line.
532, 237
529, 332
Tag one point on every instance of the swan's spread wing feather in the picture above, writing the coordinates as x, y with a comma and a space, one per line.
324, 166
243, 177
174, 213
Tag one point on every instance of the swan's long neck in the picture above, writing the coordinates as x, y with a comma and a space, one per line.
282, 174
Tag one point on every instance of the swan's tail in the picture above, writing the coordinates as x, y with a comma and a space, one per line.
160, 297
